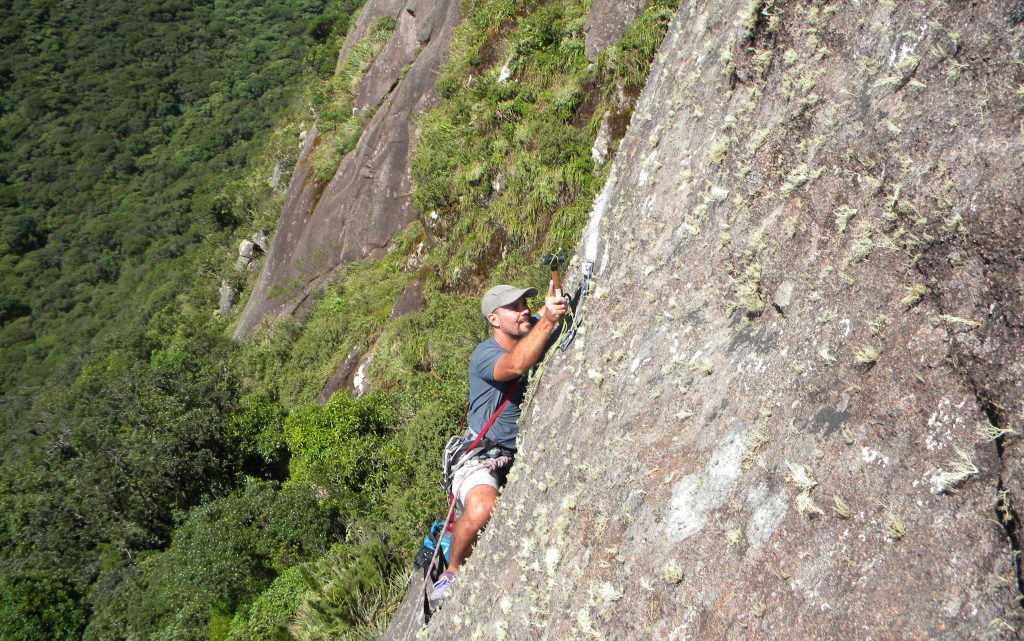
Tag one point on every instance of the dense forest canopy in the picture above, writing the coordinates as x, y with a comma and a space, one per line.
135, 139
159, 481
122, 125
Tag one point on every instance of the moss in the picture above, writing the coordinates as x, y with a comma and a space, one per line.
757, 16
801, 475
796, 178
958, 472
747, 292
895, 527
843, 214
877, 326
753, 445
863, 242
806, 505
762, 60
672, 572
502, 167
954, 320
718, 150
867, 354
840, 507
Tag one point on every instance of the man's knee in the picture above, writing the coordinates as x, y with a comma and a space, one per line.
483, 507
480, 503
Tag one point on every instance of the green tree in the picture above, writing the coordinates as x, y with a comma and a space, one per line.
341, 447
223, 556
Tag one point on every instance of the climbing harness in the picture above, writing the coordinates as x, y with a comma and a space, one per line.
458, 450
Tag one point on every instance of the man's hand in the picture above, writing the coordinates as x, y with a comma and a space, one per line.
554, 306
525, 352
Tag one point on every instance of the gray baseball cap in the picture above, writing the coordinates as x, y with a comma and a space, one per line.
503, 295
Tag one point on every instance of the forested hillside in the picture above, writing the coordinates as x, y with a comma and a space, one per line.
128, 131
794, 410
160, 481
138, 139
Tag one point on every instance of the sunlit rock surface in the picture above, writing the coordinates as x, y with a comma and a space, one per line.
806, 335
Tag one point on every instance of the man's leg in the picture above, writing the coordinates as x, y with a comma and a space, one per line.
479, 504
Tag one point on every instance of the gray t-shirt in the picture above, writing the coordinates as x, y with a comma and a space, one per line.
485, 395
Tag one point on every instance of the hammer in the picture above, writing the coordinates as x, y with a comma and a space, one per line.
554, 260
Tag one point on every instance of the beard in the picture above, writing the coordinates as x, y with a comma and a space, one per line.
521, 328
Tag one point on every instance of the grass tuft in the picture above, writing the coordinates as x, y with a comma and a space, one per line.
895, 527
960, 470
801, 475
503, 168
840, 507
990, 432
340, 125
867, 354
915, 293
754, 443
805, 505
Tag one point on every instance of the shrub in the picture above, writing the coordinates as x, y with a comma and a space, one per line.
353, 593
340, 448
267, 618
223, 555
257, 428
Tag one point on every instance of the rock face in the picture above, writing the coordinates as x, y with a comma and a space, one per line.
228, 298
783, 418
356, 214
342, 376
606, 21
351, 372
411, 298
246, 255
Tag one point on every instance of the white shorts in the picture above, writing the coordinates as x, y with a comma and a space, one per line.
470, 475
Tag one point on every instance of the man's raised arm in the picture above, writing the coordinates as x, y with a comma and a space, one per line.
528, 350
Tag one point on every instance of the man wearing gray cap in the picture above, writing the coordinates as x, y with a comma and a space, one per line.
497, 371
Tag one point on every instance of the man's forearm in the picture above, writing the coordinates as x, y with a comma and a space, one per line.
528, 351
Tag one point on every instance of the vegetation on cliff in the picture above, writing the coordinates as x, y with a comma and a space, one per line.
169, 483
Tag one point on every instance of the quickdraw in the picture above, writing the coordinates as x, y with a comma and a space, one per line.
587, 270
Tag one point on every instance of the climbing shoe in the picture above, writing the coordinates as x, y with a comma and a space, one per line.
441, 587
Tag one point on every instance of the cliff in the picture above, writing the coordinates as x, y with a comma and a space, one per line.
795, 407
355, 214
795, 412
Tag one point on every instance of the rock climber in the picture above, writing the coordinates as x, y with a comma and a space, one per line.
517, 343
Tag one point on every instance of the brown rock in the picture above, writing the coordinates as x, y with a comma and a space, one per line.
342, 376
711, 471
411, 298
408, 617
356, 214
228, 298
607, 21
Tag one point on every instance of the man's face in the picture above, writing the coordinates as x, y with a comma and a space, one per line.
513, 319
